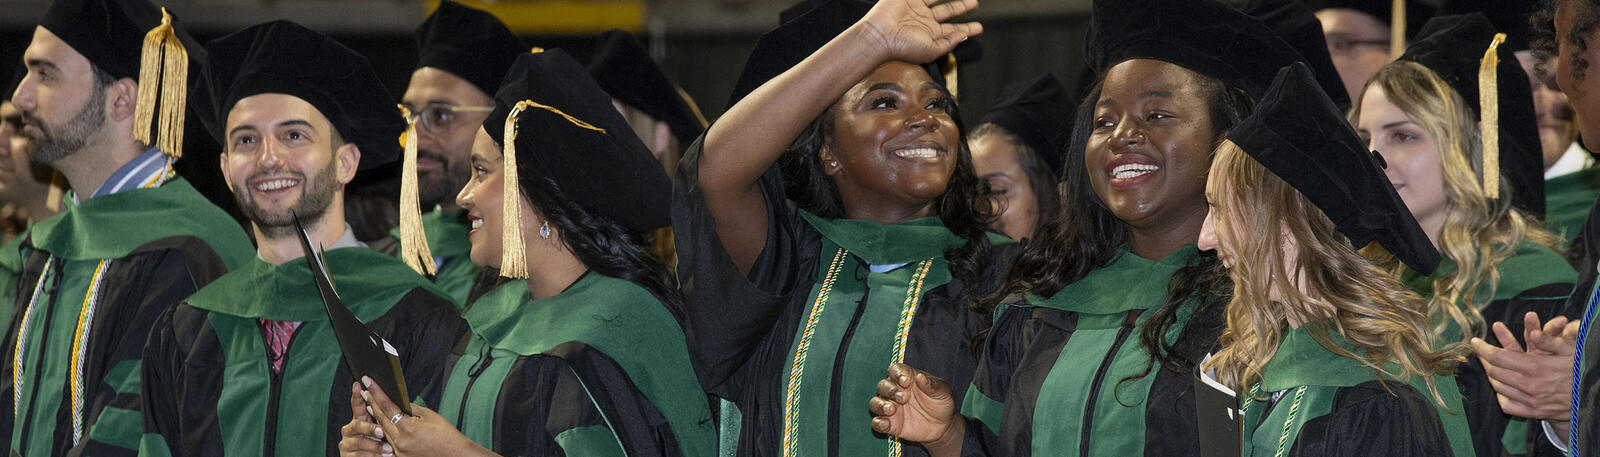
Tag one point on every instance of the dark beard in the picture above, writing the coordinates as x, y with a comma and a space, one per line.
440, 186
315, 197
50, 146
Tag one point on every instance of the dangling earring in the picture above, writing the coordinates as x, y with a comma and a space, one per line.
544, 230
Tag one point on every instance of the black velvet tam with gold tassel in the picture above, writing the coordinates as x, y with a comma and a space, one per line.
283, 57
469, 43
1203, 36
1454, 48
555, 121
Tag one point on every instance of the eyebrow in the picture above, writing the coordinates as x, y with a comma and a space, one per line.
1143, 95
291, 122
884, 86
1396, 124
42, 63
996, 174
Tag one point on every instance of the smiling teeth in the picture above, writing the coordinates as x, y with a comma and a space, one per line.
1132, 170
917, 153
275, 184
476, 223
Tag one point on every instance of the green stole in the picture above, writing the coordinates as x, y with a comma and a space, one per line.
1102, 301
447, 238
368, 282
1568, 199
11, 271
80, 239
869, 353
616, 317
1302, 361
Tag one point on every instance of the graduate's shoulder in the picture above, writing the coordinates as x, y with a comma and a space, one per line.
1392, 418
173, 216
1531, 269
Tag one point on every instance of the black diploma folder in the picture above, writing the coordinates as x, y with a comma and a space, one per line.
365, 353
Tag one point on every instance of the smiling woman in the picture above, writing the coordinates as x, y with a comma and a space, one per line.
831, 224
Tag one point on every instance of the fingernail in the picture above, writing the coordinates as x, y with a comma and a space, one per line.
370, 413
366, 397
378, 432
366, 381
902, 379
387, 449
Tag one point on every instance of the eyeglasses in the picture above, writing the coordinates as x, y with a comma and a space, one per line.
1344, 44
437, 117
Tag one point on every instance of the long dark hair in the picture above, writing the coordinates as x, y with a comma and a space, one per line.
604, 245
963, 208
1087, 235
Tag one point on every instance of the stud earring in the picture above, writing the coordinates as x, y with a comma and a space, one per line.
544, 230
834, 164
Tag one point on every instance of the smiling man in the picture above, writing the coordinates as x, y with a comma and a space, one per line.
132, 240
464, 55
249, 364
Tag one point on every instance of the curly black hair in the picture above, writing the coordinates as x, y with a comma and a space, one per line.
1586, 18
1086, 236
964, 208
604, 245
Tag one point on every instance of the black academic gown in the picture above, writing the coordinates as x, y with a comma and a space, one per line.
149, 248
1061, 375
600, 369
744, 329
1534, 279
208, 386
1585, 439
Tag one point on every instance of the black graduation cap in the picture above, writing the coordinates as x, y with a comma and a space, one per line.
1201, 35
1417, 11
791, 42
1508, 16
136, 39
568, 131
1298, 25
625, 70
1298, 134
283, 57
469, 43
1039, 112
1453, 47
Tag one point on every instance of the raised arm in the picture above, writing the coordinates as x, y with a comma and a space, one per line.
754, 133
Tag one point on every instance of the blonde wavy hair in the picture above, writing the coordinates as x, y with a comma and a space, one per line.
1332, 287
1478, 232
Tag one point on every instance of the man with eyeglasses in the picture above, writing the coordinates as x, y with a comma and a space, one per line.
1359, 36
464, 53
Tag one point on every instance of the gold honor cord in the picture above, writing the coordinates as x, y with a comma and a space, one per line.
513, 263
951, 77
1489, 114
80, 341
414, 248
791, 395
163, 67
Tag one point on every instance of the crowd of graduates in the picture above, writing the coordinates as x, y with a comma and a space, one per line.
1287, 227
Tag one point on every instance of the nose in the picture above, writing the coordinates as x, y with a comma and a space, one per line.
24, 98
923, 119
464, 197
1208, 234
271, 156
1127, 133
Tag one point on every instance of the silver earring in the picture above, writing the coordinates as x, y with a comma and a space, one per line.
544, 230
834, 163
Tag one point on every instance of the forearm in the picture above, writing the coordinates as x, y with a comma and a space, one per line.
754, 133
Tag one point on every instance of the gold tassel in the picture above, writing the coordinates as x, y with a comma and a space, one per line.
163, 67
58, 188
413, 239
513, 262
693, 107
950, 75
1397, 29
1489, 115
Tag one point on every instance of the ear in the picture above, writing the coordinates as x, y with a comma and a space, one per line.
122, 98
349, 157
222, 164
829, 161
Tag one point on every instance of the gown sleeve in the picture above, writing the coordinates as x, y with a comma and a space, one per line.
546, 409
160, 406
1403, 423
728, 313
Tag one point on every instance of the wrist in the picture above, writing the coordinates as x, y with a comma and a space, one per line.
866, 42
949, 440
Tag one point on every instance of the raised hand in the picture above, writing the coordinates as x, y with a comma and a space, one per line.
1535, 383
917, 30
917, 407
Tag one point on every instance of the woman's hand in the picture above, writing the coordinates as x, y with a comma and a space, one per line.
916, 30
1535, 383
362, 437
917, 406
424, 433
